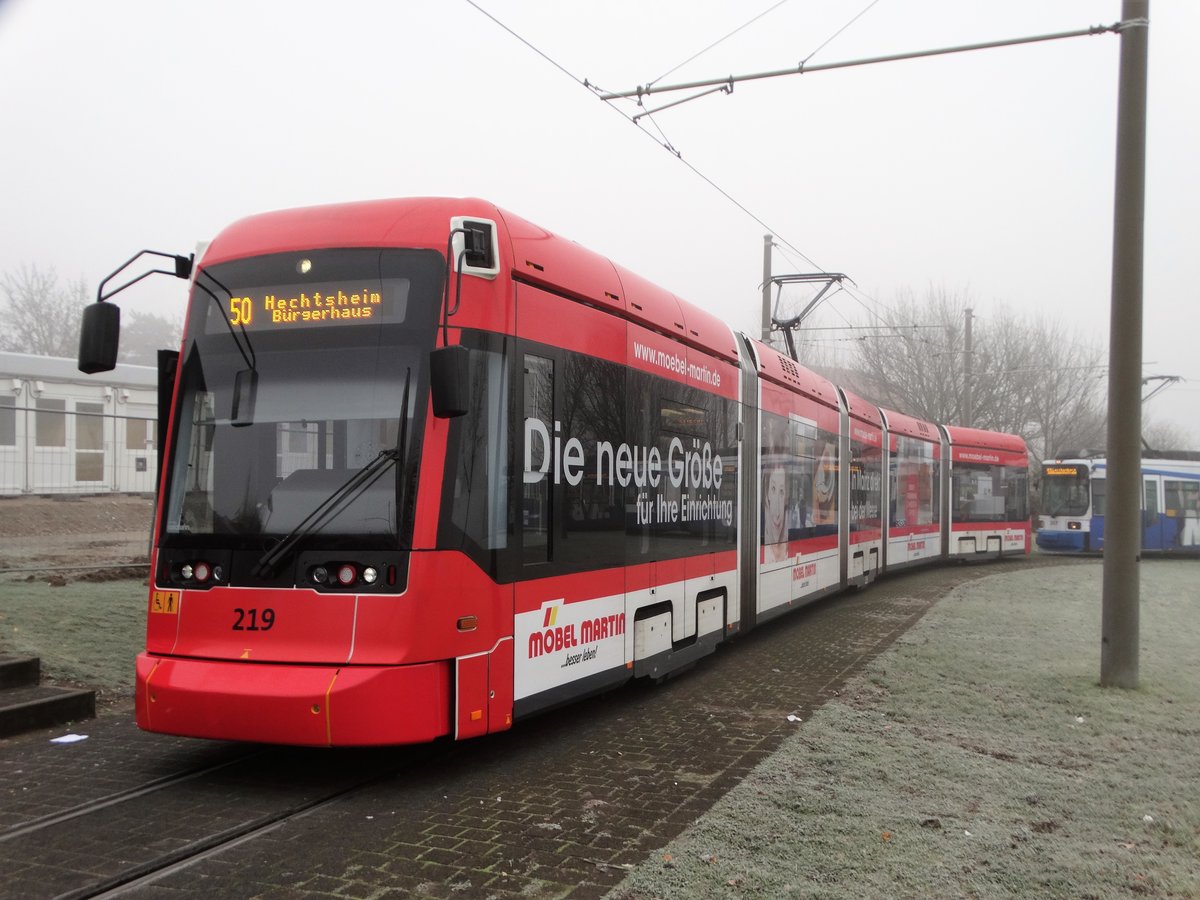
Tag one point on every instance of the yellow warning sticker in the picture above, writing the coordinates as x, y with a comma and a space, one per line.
164, 602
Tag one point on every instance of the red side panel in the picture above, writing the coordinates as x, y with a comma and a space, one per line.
649, 304
551, 320
657, 354
471, 696
706, 331
500, 679
444, 587
544, 258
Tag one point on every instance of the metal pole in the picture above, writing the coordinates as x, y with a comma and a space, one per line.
766, 294
968, 412
1122, 541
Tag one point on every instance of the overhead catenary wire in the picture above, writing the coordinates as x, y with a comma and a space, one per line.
803, 68
664, 143
829, 40
722, 40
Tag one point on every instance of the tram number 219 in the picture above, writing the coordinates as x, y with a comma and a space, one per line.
253, 619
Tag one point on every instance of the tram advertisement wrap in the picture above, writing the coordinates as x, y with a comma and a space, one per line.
678, 485
561, 641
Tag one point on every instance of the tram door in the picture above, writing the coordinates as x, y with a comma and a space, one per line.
1152, 525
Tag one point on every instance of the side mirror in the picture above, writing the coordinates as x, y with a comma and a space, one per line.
99, 337
449, 381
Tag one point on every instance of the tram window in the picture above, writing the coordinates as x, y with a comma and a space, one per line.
915, 477
475, 514
1099, 496
1187, 514
681, 418
866, 480
536, 499
592, 521
1016, 494
1183, 506
1151, 499
799, 483
1182, 497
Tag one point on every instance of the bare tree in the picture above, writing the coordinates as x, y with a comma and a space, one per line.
40, 315
1031, 377
1163, 435
914, 362
1068, 406
144, 334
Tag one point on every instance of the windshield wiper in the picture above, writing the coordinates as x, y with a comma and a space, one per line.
245, 381
247, 350
327, 509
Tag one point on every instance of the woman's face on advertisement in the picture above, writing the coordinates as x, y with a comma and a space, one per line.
775, 505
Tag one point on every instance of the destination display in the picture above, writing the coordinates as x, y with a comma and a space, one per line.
1055, 471
291, 306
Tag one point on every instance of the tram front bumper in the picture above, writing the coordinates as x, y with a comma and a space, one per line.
292, 704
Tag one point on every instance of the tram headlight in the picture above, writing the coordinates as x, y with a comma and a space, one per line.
199, 571
344, 575
1074, 526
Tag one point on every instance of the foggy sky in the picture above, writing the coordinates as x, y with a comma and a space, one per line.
148, 124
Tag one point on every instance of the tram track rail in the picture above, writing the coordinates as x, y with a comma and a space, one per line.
283, 783
151, 871
84, 809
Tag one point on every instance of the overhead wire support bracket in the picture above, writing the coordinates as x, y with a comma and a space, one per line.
723, 89
803, 68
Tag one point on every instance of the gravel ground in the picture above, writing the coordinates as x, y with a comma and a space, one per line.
978, 758
51, 533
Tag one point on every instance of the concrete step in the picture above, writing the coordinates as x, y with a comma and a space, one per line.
25, 705
19, 671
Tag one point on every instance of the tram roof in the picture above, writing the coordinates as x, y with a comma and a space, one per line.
979, 437
902, 423
784, 370
529, 253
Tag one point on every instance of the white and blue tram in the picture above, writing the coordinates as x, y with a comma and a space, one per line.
1072, 511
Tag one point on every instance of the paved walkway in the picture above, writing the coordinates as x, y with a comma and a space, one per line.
560, 806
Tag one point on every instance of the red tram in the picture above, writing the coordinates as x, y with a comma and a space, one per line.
429, 468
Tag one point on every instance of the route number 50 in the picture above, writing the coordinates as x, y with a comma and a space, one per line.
241, 310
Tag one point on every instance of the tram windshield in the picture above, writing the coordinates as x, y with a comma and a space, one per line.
1065, 489
300, 372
